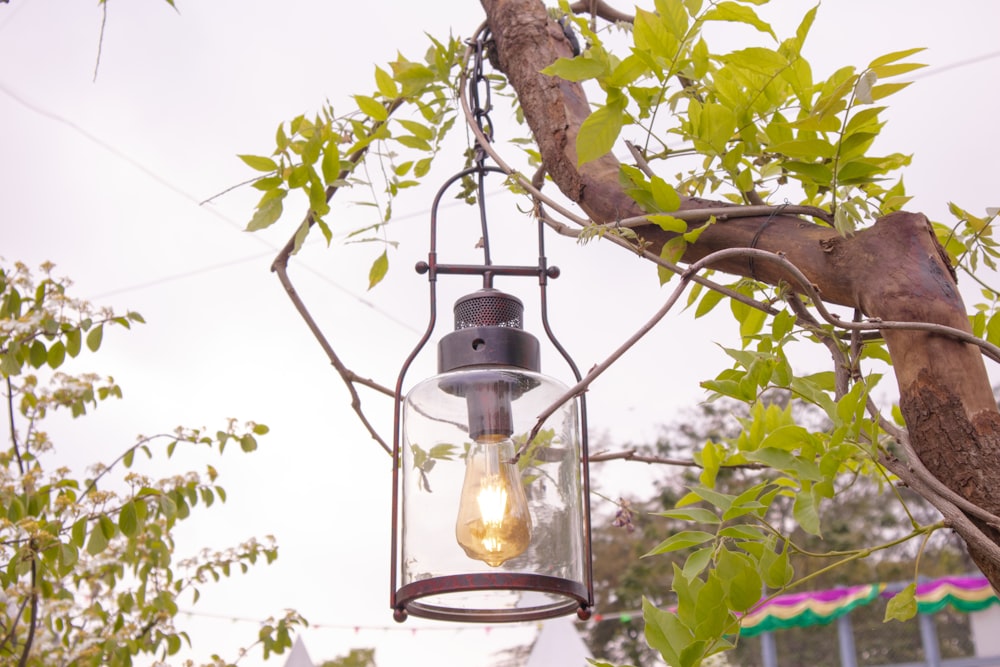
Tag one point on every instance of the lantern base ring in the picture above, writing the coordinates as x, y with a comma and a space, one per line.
408, 598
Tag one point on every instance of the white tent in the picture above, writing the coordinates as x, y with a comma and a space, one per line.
299, 656
558, 645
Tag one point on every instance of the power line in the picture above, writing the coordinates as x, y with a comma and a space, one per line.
166, 183
934, 71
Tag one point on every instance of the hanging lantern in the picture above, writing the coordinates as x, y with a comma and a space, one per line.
491, 515
490, 527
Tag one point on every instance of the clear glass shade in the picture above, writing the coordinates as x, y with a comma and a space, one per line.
490, 529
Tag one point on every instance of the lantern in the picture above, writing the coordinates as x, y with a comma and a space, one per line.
491, 519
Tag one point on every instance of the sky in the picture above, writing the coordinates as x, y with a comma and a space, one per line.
106, 179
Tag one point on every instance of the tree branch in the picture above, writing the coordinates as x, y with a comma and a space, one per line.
894, 271
280, 267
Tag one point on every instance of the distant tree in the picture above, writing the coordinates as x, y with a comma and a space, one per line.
88, 566
357, 657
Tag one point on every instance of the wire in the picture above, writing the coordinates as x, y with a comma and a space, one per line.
934, 71
164, 182
453, 627
9, 18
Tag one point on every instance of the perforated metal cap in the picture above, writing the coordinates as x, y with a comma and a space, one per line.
488, 332
489, 307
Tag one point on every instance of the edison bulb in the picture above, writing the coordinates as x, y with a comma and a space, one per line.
493, 524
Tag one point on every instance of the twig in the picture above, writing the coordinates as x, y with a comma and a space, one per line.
602, 10
280, 267
10, 636
804, 284
349, 377
100, 38
33, 615
634, 455
13, 426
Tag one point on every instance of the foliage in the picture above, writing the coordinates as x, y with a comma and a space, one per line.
357, 657
853, 519
748, 125
87, 561
317, 156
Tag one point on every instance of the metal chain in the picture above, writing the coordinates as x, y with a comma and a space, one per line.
480, 96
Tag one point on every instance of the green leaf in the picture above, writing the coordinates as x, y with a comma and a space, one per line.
378, 270
804, 149
720, 500
57, 354
668, 223
776, 569
757, 59
740, 579
418, 130
68, 557
97, 542
665, 196
742, 531
78, 533
665, 632
259, 163
38, 355
712, 612
73, 339
600, 130
731, 11
128, 520
681, 540
107, 526
894, 56
371, 107
248, 443
15, 512
94, 338
267, 212
413, 142
712, 125
386, 86
697, 562
576, 69
903, 605
806, 513
695, 514
708, 302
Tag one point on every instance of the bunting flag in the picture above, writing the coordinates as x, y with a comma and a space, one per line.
799, 610
966, 594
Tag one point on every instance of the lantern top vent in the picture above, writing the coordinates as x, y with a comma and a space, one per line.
489, 307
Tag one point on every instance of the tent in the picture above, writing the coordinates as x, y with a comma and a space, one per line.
558, 643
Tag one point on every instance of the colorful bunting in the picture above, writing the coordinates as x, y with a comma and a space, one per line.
963, 593
804, 609
800, 610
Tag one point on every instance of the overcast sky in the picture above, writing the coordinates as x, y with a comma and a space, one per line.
105, 178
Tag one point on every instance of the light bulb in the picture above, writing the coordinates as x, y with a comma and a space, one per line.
493, 524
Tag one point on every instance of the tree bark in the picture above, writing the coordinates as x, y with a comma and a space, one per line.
894, 270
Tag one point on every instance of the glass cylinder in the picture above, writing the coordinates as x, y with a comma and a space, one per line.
490, 529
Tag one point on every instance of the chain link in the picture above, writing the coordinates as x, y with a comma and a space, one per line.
480, 96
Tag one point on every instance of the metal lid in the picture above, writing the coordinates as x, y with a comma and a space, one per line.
489, 307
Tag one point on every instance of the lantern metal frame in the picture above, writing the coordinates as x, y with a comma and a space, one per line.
579, 595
